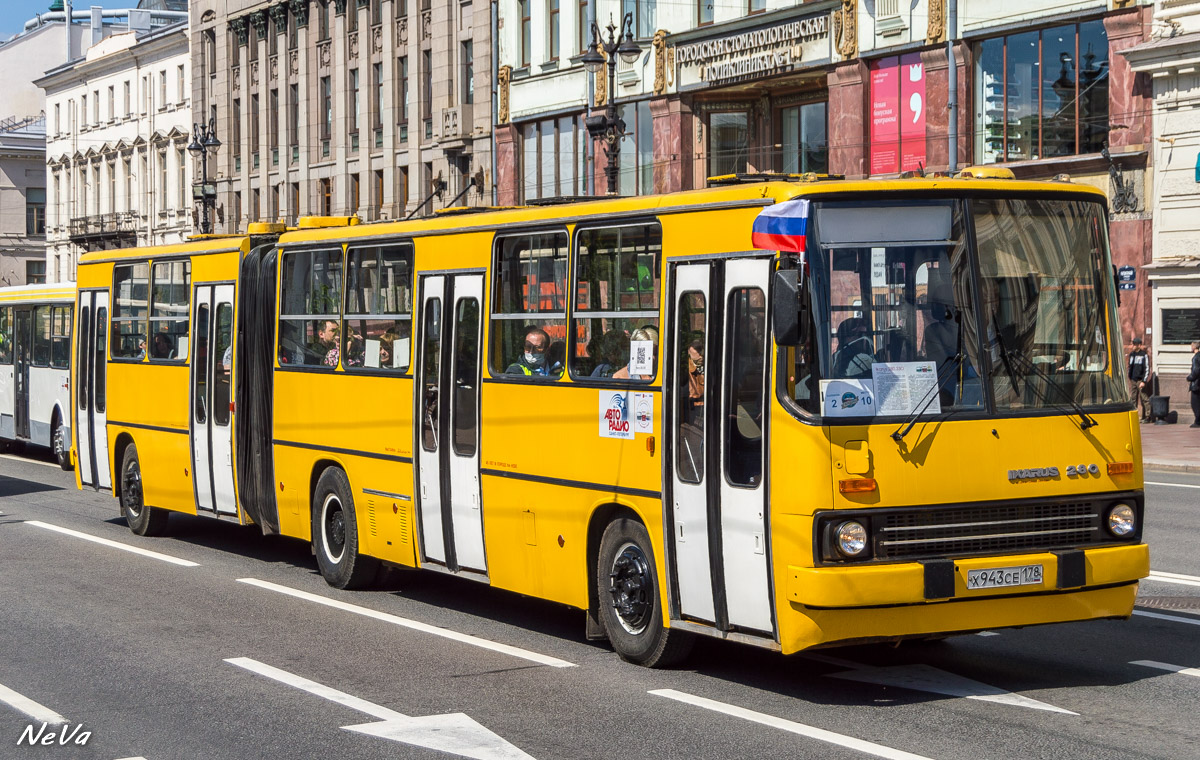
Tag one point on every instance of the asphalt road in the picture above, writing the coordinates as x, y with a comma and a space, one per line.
229, 645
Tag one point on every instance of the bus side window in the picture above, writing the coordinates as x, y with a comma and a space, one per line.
310, 308
529, 306
41, 336
6, 336
171, 291
131, 285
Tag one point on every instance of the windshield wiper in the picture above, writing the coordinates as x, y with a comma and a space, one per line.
951, 365
1087, 421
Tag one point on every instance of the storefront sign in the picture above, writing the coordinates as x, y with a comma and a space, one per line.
753, 54
1126, 278
897, 114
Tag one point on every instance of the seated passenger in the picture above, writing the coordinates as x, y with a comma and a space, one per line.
532, 362
613, 353
643, 334
163, 348
854, 354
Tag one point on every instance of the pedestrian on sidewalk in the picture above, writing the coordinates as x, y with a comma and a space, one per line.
1139, 378
1193, 379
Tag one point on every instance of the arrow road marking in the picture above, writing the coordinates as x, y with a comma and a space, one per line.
937, 681
1167, 666
812, 732
455, 733
525, 654
24, 704
113, 544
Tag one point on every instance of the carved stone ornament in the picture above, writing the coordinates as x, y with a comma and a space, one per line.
259, 19
602, 82
503, 78
660, 62
294, 63
377, 40
236, 77
300, 11
936, 32
273, 68
845, 27
426, 25
323, 55
253, 73
353, 45
241, 28
279, 14
339, 7
402, 31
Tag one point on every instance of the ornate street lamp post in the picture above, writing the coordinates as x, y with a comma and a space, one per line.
204, 191
608, 126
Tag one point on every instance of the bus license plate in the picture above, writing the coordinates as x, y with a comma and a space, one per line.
999, 577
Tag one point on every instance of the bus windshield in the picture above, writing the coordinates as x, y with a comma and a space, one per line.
988, 305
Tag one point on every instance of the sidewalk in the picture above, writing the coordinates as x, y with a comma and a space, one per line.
1171, 447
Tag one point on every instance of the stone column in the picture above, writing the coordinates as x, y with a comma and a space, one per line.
849, 107
672, 159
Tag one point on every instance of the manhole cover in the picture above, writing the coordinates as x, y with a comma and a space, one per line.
1170, 602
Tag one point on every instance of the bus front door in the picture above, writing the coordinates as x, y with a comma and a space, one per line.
23, 356
717, 391
91, 373
212, 394
448, 409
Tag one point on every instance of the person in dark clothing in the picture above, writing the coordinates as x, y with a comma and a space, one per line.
1139, 378
1193, 379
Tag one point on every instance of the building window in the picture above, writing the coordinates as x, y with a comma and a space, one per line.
584, 29
162, 180
728, 142
637, 150
402, 191
803, 139
162, 89
402, 108
112, 102
95, 107
35, 211
35, 271
468, 73
182, 84
526, 33
756, 6
645, 15
326, 108
426, 93
83, 119
273, 124
295, 203
554, 32
255, 204
294, 118
554, 157
324, 8
378, 193
376, 95
353, 100
1042, 93
128, 100
57, 120
181, 167
237, 211
325, 196
254, 136
235, 128
529, 306
127, 168
704, 11
355, 192
401, 8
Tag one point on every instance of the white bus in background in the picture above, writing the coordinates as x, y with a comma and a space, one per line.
35, 366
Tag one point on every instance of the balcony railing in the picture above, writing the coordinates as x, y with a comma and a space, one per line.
102, 231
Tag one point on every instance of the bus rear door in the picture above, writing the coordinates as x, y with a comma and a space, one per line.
212, 379
91, 368
717, 392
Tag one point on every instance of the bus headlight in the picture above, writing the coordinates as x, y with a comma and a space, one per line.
1121, 520
851, 538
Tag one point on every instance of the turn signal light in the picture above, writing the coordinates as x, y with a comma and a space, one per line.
857, 485
1120, 468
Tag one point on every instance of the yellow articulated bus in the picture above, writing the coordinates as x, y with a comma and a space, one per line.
791, 414
35, 357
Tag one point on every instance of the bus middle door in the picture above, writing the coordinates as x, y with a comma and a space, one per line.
212, 394
91, 374
23, 354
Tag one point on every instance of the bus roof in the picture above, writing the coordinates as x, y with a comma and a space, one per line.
47, 292
753, 193
205, 244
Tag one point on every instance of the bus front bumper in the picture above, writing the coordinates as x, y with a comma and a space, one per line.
882, 602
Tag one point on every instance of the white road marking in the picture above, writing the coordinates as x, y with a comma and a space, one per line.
455, 733
446, 633
24, 704
987, 633
113, 544
1160, 616
29, 461
812, 732
139, 757
1178, 578
1167, 666
1172, 485
937, 681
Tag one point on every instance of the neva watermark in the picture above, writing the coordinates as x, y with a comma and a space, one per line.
49, 734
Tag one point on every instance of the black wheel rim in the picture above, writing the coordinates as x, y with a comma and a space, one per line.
333, 522
632, 588
131, 489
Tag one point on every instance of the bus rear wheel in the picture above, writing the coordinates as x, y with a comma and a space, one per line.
142, 520
630, 600
335, 534
62, 447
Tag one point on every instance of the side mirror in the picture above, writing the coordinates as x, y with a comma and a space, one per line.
788, 301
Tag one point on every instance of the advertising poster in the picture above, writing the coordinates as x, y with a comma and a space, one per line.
885, 116
912, 108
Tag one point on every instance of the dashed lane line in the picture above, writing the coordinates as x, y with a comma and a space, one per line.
415, 625
316, 689
1177, 578
26, 705
113, 544
812, 732
1168, 667
1160, 616
1172, 485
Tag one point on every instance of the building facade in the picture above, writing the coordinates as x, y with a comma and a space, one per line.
118, 124
852, 87
345, 106
23, 200
1171, 59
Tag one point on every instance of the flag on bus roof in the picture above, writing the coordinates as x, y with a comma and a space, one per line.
781, 227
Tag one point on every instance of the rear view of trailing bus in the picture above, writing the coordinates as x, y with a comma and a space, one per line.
35, 354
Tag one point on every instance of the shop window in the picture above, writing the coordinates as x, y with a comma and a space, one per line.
131, 294
555, 158
1042, 94
636, 176
310, 308
728, 142
617, 299
169, 311
529, 306
379, 308
804, 139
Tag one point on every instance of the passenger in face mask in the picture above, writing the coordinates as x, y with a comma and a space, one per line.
532, 362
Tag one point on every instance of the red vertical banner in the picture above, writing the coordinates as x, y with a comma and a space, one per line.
885, 115
912, 112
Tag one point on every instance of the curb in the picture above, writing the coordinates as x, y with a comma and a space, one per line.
1170, 467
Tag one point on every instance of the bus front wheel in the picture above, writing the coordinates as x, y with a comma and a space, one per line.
335, 534
142, 520
630, 600
62, 447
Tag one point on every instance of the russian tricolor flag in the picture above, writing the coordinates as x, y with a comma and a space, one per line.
781, 227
